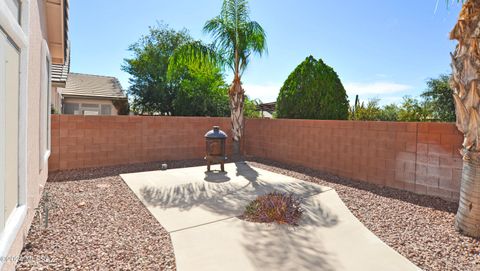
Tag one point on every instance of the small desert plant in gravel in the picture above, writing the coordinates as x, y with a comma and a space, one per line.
274, 207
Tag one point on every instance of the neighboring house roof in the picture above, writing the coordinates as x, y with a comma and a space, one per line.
88, 85
268, 107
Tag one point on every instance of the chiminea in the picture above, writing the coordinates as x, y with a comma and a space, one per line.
215, 152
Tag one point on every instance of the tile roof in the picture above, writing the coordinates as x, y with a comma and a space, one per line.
269, 107
88, 85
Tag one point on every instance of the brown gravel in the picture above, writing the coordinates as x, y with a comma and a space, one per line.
418, 227
99, 224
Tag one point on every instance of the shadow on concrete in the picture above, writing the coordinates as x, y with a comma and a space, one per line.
315, 214
216, 177
245, 170
269, 246
220, 195
279, 247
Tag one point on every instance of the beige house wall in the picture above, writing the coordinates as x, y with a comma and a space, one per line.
56, 100
36, 166
91, 101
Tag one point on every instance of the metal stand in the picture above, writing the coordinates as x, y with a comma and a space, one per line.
214, 161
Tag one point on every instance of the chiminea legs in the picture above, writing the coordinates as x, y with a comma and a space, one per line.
222, 165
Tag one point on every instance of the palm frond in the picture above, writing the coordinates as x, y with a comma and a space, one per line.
235, 36
195, 52
257, 41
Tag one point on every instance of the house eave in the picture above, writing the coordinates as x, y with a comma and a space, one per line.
57, 29
93, 97
59, 84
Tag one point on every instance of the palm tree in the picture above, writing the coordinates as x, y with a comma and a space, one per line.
235, 39
465, 84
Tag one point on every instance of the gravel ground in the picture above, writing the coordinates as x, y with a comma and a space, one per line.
418, 227
99, 224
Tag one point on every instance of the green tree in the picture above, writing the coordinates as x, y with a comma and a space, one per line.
201, 91
312, 91
150, 90
440, 94
190, 89
236, 38
412, 109
390, 112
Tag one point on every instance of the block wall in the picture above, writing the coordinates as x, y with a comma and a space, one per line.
93, 141
418, 157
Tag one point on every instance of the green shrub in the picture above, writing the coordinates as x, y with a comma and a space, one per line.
312, 91
371, 111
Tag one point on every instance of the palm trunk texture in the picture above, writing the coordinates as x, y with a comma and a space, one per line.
237, 97
465, 85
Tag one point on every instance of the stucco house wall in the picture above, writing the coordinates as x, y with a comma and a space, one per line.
56, 100
34, 126
67, 100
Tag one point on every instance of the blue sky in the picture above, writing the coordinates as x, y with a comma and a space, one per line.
383, 48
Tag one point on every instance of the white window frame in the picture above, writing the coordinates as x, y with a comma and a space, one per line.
18, 33
45, 104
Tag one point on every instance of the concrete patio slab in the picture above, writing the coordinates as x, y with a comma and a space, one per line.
200, 211
199, 197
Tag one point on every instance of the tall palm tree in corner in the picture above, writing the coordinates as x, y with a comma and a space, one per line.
465, 83
235, 39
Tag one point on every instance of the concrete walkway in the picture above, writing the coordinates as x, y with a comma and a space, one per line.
200, 211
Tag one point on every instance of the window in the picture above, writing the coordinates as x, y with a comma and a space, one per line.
9, 130
90, 106
71, 108
90, 109
106, 109
87, 109
45, 109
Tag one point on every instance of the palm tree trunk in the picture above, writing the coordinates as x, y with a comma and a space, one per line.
237, 97
468, 215
464, 82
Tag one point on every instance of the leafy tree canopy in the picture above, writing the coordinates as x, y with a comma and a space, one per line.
251, 108
435, 104
410, 109
157, 87
440, 94
373, 111
413, 109
201, 91
312, 91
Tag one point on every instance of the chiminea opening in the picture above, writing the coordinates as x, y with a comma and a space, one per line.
215, 147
